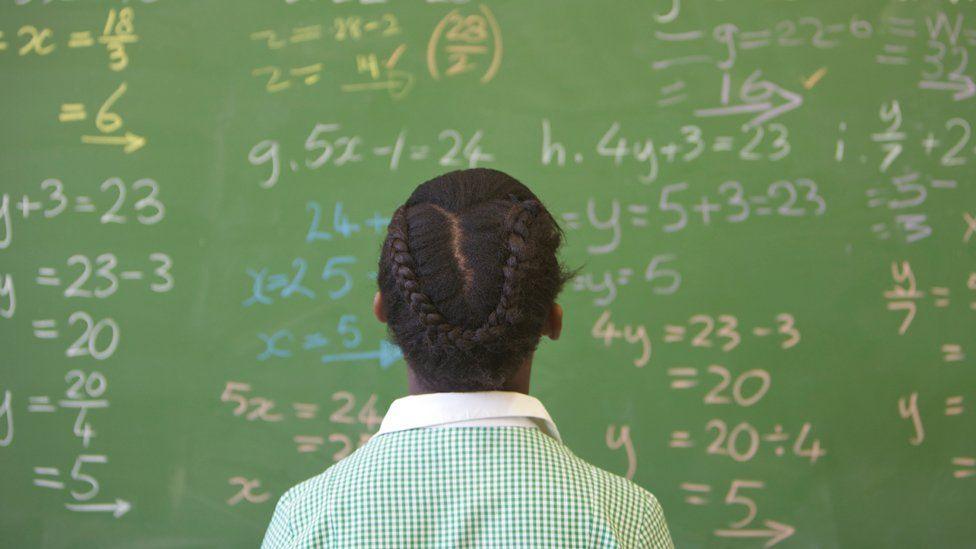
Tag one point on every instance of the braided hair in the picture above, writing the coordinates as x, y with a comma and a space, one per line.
468, 273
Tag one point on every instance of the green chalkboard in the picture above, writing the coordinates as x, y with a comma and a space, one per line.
772, 205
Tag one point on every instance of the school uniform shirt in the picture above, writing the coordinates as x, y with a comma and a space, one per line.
483, 469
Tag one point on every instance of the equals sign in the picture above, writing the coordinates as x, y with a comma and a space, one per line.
314, 341
47, 276
419, 152
305, 410
72, 112
682, 375
674, 334
942, 301
722, 143
39, 404
755, 39
308, 444
874, 201
893, 55
80, 39
571, 219
670, 89
44, 329
84, 204
900, 27
638, 209
47, 483
680, 439
694, 498
881, 230
953, 406
952, 352
968, 464
764, 210
623, 276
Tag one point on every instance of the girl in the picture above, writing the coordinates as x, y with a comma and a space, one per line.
468, 280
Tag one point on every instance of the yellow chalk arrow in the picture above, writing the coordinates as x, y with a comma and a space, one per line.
130, 142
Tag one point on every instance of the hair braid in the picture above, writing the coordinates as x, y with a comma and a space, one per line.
403, 271
506, 312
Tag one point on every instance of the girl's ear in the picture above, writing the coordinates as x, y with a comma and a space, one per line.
378, 311
554, 322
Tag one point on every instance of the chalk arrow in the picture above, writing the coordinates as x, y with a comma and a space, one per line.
961, 83
763, 91
130, 142
119, 508
775, 531
387, 354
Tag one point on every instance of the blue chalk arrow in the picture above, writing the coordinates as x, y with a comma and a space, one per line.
387, 354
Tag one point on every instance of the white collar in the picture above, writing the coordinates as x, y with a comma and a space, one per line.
482, 408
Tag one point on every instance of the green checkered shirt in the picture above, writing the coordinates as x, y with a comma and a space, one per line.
466, 487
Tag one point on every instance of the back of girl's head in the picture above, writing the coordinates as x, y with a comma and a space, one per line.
468, 274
